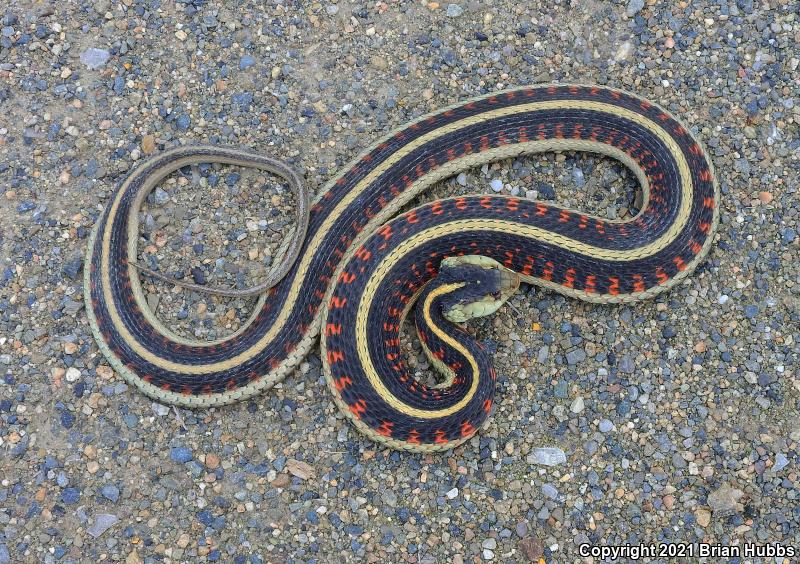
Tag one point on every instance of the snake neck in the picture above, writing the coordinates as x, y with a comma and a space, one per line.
451, 350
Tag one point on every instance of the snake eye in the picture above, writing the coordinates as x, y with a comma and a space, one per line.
496, 295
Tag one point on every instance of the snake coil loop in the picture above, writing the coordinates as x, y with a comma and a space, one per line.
357, 270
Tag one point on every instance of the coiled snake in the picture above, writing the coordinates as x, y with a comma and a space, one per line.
357, 273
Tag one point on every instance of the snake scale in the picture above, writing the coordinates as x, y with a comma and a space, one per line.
360, 266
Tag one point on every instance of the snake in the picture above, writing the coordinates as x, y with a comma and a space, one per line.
361, 260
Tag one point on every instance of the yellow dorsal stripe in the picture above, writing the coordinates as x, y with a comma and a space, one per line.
442, 172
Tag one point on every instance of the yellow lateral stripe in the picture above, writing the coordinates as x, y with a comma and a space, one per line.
304, 263
448, 373
390, 260
391, 399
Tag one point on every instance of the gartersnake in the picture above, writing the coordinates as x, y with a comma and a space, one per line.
367, 272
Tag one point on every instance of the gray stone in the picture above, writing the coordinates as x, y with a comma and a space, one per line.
550, 491
543, 353
94, 58
110, 492
725, 499
160, 409
389, 497
781, 462
547, 456
634, 7
454, 10
605, 426
73, 266
102, 522
627, 365
160, 196
575, 356
678, 461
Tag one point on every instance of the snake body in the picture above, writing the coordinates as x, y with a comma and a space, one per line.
357, 272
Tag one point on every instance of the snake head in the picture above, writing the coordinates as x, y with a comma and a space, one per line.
485, 286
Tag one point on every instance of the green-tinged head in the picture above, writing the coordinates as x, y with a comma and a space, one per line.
487, 285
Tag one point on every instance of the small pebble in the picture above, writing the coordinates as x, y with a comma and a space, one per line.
102, 522
634, 7
765, 197
549, 491
70, 496
548, 456
160, 409
94, 58
703, 517
781, 462
73, 374
180, 454
110, 492
246, 62
454, 10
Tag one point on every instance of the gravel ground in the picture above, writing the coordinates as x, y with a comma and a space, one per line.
673, 421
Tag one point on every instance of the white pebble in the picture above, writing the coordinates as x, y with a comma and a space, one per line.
160, 409
497, 185
623, 52
73, 374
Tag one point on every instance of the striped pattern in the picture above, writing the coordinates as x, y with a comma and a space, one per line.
352, 260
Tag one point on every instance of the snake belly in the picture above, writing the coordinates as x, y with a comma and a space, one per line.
357, 274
